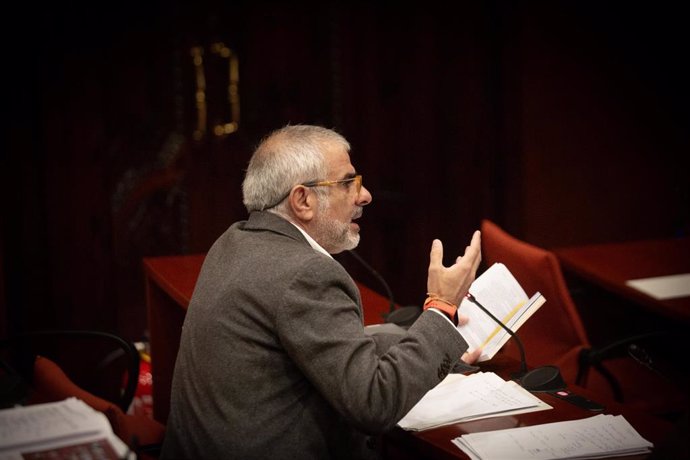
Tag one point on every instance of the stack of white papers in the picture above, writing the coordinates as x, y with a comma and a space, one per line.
461, 398
593, 437
67, 429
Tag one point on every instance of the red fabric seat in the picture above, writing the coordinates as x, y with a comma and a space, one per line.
51, 384
556, 335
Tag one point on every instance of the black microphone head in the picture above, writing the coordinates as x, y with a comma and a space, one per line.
545, 378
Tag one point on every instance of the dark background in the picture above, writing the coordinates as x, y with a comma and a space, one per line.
565, 122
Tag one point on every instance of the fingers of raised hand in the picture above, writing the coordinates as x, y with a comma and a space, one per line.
474, 250
436, 255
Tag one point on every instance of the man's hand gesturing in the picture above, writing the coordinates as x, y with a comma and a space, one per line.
452, 283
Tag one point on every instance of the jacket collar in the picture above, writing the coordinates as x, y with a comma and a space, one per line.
265, 220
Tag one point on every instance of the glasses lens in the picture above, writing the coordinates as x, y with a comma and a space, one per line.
358, 183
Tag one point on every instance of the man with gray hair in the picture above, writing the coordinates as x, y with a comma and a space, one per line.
274, 361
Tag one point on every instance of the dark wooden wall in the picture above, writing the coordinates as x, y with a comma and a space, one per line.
566, 122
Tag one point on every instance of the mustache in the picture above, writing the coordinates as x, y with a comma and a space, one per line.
358, 212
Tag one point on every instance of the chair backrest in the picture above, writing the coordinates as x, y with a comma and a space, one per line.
99, 368
555, 334
141, 433
101, 363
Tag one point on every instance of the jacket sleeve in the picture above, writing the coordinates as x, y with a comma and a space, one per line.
319, 322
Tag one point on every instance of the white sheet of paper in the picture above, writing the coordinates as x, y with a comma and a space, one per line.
663, 287
593, 437
461, 398
54, 425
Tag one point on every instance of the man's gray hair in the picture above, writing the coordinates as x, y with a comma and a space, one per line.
288, 156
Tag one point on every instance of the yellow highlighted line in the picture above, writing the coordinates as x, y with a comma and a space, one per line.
505, 320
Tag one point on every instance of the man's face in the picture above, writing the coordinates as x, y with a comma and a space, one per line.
334, 226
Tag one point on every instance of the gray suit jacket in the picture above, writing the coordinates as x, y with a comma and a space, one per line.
274, 362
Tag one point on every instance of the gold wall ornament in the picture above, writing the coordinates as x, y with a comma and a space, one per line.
197, 53
222, 128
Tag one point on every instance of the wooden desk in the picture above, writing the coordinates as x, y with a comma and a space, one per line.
169, 282
611, 265
436, 443
169, 285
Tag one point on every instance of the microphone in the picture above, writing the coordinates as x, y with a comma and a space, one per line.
401, 316
544, 378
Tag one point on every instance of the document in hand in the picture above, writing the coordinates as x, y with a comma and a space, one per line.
593, 437
62, 430
461, 398
499, 292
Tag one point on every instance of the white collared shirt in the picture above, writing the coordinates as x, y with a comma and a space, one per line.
312, 242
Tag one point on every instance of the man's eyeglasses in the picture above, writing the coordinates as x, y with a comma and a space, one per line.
323, 183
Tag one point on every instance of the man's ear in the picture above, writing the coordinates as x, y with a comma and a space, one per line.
303, 203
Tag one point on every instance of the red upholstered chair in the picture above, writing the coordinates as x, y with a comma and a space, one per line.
99, 368
51, 384
555, 334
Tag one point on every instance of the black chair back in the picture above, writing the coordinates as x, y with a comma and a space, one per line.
101, 363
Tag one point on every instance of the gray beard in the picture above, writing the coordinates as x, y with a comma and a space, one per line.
335, 236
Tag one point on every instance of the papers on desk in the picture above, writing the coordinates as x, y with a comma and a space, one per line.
593, 437
461, 398
663, 287
62, 430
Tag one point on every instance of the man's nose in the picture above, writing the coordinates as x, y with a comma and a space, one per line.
364, 197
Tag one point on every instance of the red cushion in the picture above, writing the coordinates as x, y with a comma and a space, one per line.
51, 384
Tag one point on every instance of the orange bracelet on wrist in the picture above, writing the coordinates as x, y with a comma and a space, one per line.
432, 296
447, 308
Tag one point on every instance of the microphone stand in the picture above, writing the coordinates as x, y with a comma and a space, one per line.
523, 362
544, 378
380, 279
402, 316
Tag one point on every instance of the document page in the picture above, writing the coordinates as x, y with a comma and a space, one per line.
663, 287
499, 292
57, 430
593, 437
460, 398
